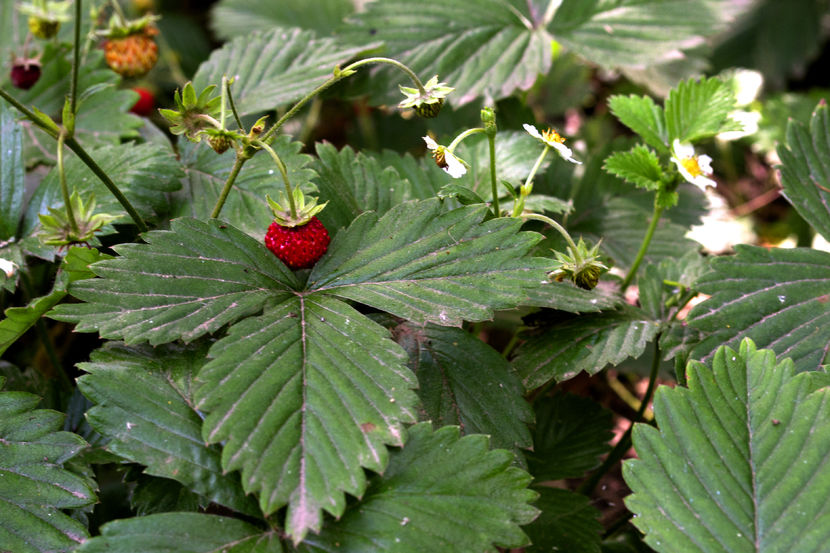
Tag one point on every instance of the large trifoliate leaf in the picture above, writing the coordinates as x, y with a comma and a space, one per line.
463, 381
182, 533
585, 343
805, 173
145, 173
633, 32
144, 403
12, 172
741, 460
699, 109
570, 435
486, 48
273, 68
440, 492
780, 298
424, 263
182, 284
35, 488
18, 320
568, 297
304, 398
232, 18
354, 183
245, 206
568, 522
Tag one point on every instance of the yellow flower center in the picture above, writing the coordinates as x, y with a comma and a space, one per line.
692, 166
552, 136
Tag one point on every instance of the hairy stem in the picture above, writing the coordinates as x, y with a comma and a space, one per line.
233, 105
76, 61
226, 189
655, 218
560, 229
67, 201
281, 166
493, 185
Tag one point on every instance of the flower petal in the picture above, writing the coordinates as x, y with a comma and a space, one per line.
455, 168
431, 144
533, 132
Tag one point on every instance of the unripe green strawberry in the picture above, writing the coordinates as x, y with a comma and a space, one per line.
43, 28
220, 143
300, 246
428, 111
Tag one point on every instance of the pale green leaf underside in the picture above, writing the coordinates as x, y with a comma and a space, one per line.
273, 68
779, 298
567, 297
568, 523
586, 343
34, 486
426, 264
245, 205
440, 492
232, 18
182, 533
633, 33
805, 171
740, 463
184, 283
12, 171
304, 398
144, 405
482, 49
463, 381
570, 436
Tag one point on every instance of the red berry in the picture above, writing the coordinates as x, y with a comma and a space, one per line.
145, 103
25, 74
298, 247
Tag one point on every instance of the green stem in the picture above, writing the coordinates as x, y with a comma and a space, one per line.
233, 108
342, 74
655, 218
223, 102
281, 167
558, 227
491, 138
67, 201
536, 166
527, 187
469, 132
111, 186
52, 129
117, 7
76, 61
226, 189
624, 444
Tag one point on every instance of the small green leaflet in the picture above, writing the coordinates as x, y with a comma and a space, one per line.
639, 166
698, 109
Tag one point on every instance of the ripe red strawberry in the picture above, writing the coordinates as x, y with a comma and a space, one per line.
298, 247
25, 73
132, 55
145, 103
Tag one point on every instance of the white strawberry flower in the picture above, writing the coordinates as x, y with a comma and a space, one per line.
695, 169
8, 267
553, 139
446, 160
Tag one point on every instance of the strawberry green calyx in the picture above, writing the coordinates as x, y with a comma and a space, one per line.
57, 229
427, 102
194, 113
295, 211
582, 266
120, 28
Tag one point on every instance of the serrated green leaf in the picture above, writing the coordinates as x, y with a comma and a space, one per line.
423, 174
740, 460
12, 171
639, 166
426, 264
805, 169
491, 50
585, 343
780, 298
182, 533
354, 183
20, 319
182, 284
34, 485
144, 403
206, 173
644, 117
570, 435
301, 407
232, 18
104, 118
698, 109
568, 522
440, 492
633, 32
273, 68
145, 173
463, 381
568, 297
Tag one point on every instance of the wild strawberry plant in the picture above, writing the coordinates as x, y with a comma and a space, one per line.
222, 333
